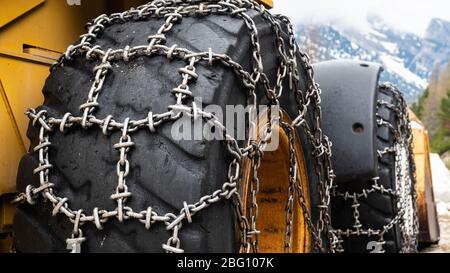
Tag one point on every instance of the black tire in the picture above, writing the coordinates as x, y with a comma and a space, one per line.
378, 209
164, 172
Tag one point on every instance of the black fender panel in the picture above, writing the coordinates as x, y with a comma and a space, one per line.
349, 115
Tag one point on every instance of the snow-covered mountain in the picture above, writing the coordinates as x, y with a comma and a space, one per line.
408, 59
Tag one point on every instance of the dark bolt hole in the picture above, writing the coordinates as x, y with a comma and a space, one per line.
358, 128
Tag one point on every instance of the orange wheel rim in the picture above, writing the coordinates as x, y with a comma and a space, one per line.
273, 195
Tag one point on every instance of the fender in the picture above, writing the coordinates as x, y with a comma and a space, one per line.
349, 94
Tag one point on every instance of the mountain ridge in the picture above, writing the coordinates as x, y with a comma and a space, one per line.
409, 59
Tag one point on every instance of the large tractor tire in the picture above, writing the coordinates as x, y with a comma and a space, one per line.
164, 172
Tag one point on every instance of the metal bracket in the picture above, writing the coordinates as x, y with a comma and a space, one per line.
349, 93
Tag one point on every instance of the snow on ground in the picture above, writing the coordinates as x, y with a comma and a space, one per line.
441, 185
441, 179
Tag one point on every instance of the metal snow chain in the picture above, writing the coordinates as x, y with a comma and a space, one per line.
410, 229
404, 195
296, 192
173, 12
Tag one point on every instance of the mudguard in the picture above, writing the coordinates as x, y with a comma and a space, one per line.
348, 106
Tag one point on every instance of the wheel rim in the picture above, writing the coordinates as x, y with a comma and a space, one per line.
273, 196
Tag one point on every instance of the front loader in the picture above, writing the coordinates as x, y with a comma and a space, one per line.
133, 151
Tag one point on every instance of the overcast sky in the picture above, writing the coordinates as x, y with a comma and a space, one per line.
411, 15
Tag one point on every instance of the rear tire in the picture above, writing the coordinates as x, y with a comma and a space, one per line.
382, 204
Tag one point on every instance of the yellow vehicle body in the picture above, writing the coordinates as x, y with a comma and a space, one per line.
428, 219
33, 34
